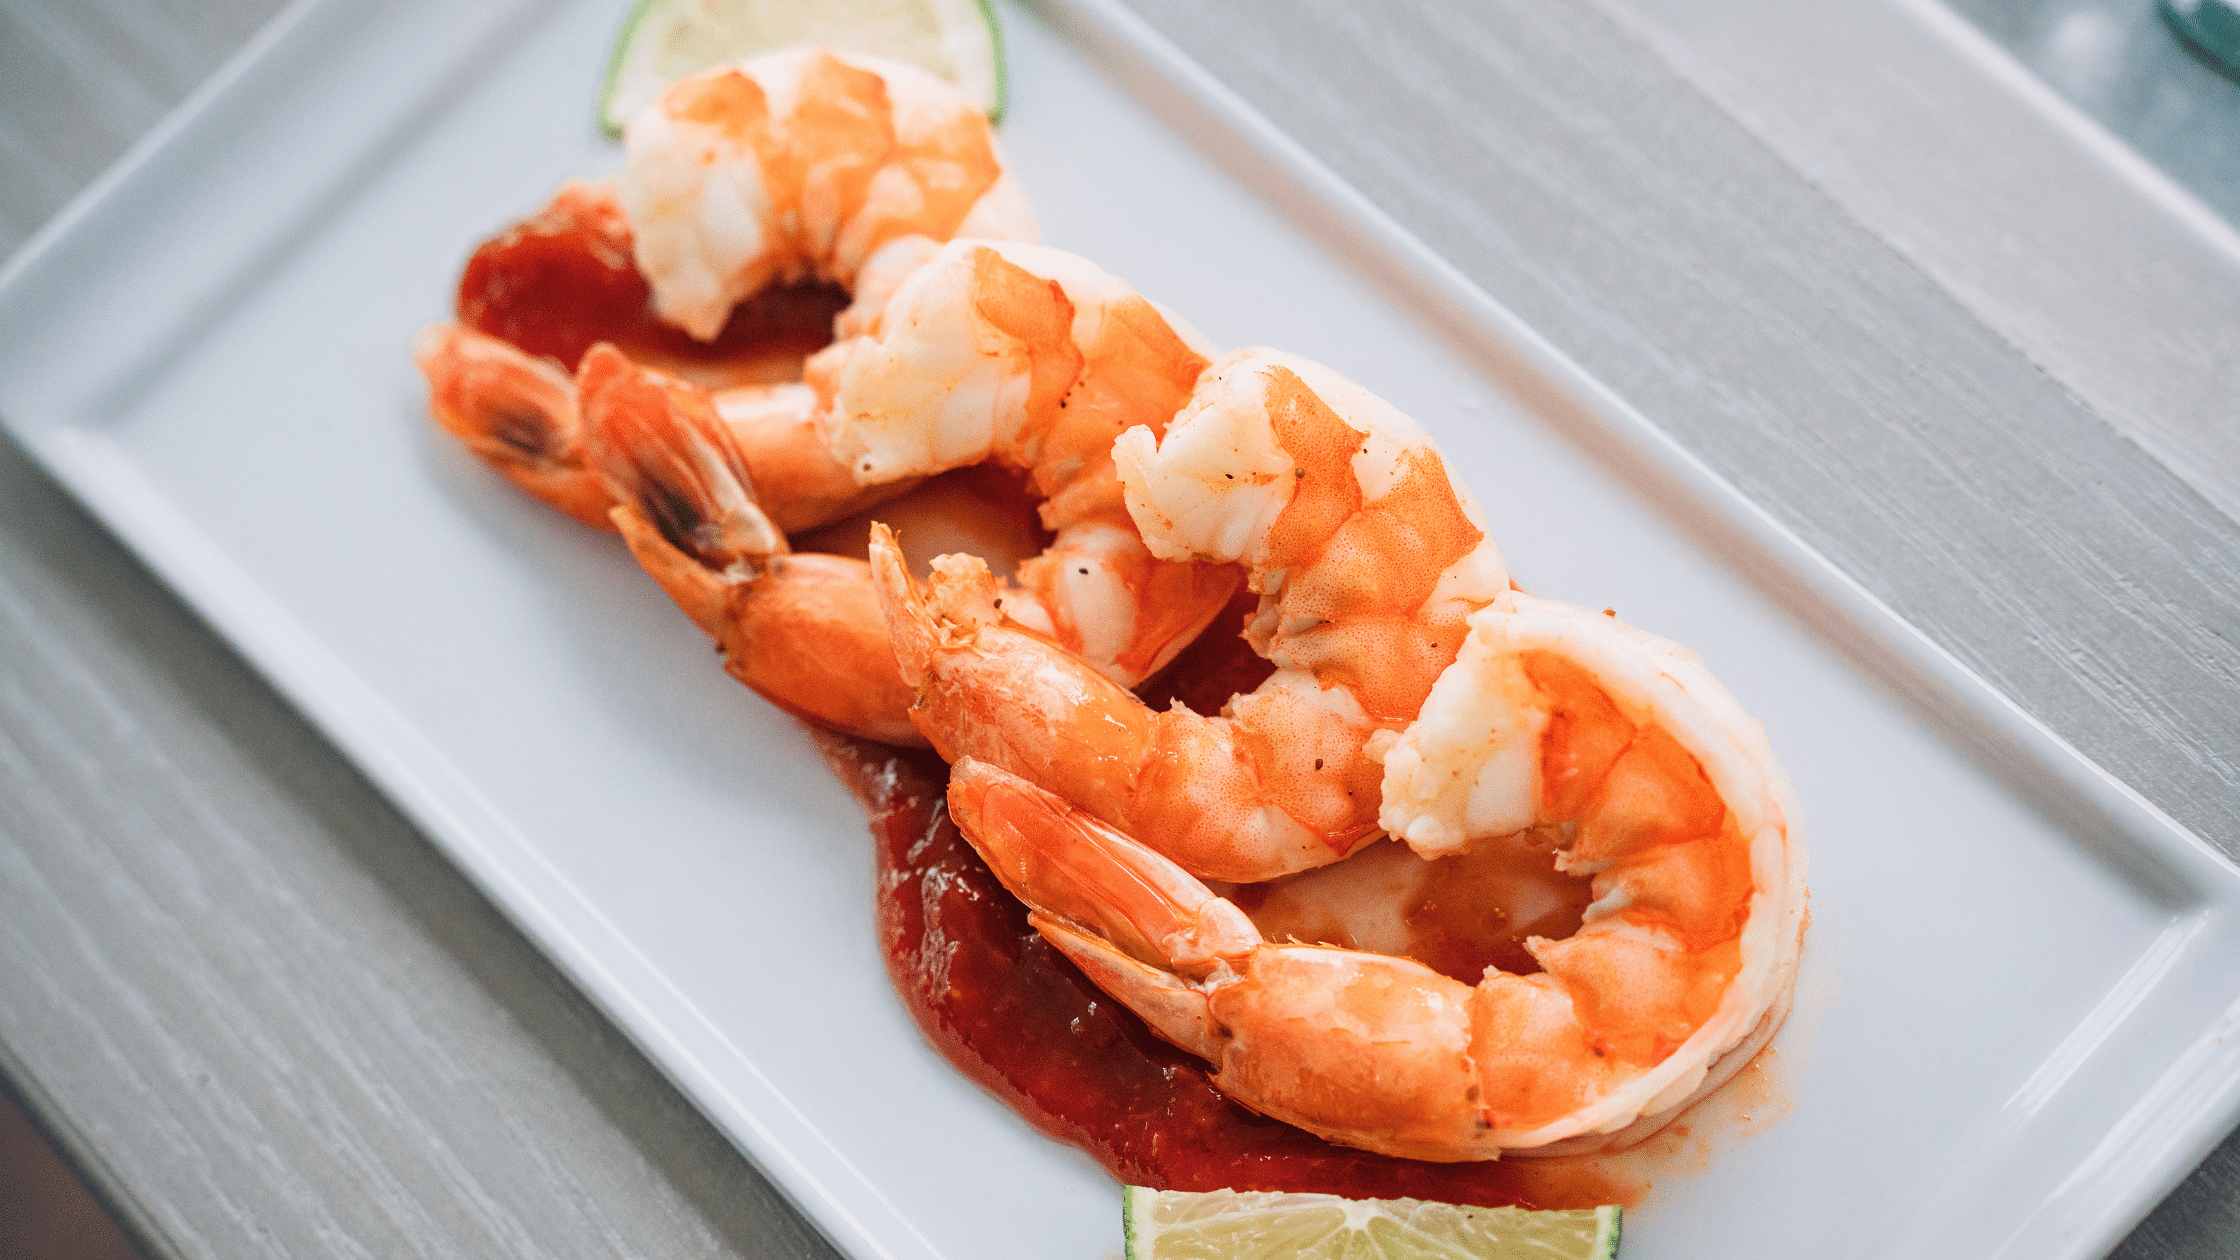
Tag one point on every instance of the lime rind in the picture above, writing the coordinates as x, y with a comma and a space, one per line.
1135, 1208
1610, 1229
611, 84
1258, 1225
1002, 93
661, 41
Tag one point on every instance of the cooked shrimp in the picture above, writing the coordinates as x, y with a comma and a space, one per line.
516, 412
520, 415
800, 630
698, 509
1367, 556
802, 163
1643, 773
741, 183
1037, 360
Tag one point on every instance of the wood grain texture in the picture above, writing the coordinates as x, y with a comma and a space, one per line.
2123, 286
1574, 176
1555, 160
271, 1020
261, 1010
257, 1009
80, 81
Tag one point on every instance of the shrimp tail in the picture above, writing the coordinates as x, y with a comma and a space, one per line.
1139, 925
642, 445
668, 458
704, 596
516, 412
1176, 1011
800, 630
911, 628
1364, 1049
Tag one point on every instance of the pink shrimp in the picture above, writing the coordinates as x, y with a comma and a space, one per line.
754, 196
976, 359
1367, 556
1630, 762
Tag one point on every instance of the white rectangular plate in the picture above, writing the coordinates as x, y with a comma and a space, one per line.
2014, 1027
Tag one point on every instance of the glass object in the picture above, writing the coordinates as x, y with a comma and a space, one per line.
2211, 26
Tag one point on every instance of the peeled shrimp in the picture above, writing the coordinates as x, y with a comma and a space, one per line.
1037, 360
521, 415
975, 359
803, 165
797, 164
1642, 771
1367, 555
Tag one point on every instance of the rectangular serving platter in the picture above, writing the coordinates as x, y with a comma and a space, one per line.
2016, 1025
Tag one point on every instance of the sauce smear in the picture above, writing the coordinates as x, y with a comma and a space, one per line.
563, 279
1011, 1013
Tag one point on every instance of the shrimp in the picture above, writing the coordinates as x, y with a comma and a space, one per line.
802, 631
1037, 360
521, 415
1626, 755
802, 163
514, 411
1367, 556
741, 184
976, 359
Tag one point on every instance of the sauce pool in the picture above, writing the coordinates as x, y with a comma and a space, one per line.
563, 279
990, 994
1011, 1013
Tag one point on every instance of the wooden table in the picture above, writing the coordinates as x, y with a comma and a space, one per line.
266, 1018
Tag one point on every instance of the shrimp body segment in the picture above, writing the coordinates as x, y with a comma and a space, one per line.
1645, 774
797, 164
1664, 791
801, 630
1367, 556
969, 341
1366, 552
1037, 360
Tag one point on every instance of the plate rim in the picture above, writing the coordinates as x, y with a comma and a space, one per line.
2025, 754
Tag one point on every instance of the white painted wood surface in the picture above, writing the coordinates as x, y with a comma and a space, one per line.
268, 1019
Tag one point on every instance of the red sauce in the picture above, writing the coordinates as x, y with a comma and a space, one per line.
997, 1001
562, 280
1011, 1013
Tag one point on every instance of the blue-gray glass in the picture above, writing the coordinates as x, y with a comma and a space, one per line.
2213, 26
2121, 63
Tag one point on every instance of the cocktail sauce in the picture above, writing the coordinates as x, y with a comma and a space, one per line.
1011, 1013
563, 279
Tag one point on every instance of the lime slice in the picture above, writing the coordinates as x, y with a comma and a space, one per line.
664, 40
1262, 1225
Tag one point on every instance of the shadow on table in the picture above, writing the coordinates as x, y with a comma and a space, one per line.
45, 1211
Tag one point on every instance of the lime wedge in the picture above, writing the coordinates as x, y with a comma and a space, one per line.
1263, 1225
664, 40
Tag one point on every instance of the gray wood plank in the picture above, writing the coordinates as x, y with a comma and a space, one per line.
80, 81
1552, 157
257, 1009
2116, 281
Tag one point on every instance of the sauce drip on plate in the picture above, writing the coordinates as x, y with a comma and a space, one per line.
561, 280
1011, 1013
